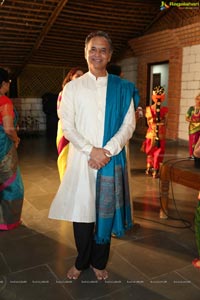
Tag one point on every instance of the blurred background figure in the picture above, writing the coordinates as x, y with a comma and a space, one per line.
11, 185
61, 141
115, 70
49, 106
193, 117
154, 145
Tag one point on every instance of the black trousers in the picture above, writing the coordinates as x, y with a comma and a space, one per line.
89, 252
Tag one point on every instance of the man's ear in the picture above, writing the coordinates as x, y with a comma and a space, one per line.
110, 56
85, 53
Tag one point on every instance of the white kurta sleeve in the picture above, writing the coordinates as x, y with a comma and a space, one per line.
119, 140
67, 117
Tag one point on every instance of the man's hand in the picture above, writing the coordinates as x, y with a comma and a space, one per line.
94, 165
99, 157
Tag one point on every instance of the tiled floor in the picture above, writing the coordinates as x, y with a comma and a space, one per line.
153, 261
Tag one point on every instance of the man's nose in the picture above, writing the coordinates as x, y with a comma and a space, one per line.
98, 52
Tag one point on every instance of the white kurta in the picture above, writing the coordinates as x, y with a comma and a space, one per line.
82, 113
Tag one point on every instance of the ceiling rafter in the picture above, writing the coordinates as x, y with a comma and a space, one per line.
46, 29
52, 32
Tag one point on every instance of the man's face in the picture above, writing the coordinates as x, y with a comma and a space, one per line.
98, 54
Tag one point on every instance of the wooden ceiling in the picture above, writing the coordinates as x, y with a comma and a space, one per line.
52, 32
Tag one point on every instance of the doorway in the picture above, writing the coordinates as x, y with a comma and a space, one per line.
158, 74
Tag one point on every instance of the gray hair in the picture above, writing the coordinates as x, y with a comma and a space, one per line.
99, 33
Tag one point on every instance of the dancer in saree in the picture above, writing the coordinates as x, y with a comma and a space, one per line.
11, 185
193, 117
154, 145
61, 142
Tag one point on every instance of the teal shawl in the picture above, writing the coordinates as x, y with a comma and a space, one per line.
113, 209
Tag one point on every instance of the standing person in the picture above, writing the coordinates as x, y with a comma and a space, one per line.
193, 117
196, 261
11, 185
154, 145
97, 116
61, 142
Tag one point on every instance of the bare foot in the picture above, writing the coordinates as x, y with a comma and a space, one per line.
100, 274
73, 273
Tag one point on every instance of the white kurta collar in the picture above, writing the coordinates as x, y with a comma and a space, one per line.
100, 80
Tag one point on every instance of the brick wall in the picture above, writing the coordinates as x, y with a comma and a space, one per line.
190, 85
168, 45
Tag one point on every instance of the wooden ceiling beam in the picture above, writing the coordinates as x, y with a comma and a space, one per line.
87, 27
19, 29
68, 41
27, 10
50, 22
125, 4
123, 16
45, 30
23, 19
30, 5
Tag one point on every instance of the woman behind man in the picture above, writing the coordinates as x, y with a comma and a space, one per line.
61, 141
11, 185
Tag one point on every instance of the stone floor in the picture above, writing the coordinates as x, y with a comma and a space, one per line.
152, 262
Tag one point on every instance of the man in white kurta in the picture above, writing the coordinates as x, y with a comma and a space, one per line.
82, 116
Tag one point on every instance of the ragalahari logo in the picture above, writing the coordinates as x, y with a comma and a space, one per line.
181, 5
164, 5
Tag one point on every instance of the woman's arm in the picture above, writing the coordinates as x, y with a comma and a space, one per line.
189, 114
10, 130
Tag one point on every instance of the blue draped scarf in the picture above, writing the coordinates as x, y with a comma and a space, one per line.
113, 209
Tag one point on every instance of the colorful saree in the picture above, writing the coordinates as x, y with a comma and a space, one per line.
62, 145
154, 153
194, 128
11, 185
113, 209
